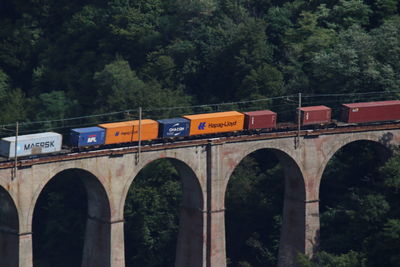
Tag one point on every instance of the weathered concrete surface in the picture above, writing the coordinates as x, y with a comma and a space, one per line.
205, 171
96, 250
191, 237
9, 238
216, 255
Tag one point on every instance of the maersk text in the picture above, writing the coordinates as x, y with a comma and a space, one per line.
46, 144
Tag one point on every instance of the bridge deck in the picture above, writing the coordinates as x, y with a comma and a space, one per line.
26, 162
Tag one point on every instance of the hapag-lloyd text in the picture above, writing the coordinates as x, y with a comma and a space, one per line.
222, 125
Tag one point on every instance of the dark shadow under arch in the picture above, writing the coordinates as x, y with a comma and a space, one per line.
292, 232
190, 236
9, 231
76, 208
350, 180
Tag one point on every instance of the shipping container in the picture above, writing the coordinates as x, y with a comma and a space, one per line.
149, 130
31, 144
219, 122
173, 127
118, 132
261, 119
371, 111
128, 131
88, 136
315, 115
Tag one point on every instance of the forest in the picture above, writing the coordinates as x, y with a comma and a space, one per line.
74, 63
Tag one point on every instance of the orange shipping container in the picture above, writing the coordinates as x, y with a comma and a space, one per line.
215, 122
118, 132
149, 130
128, 131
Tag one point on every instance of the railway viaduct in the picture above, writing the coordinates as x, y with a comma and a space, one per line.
205, 167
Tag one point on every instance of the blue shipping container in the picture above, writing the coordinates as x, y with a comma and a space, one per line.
173, 127
88, 136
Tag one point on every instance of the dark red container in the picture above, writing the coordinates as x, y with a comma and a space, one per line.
371, 111
315, 115
260, 119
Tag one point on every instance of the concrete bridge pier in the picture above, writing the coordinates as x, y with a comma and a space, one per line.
97, 245
117, 247
313, 162
25, 250
292, 239
312, 228
104, 243
10, 237
96, 250
216, 186
192, 225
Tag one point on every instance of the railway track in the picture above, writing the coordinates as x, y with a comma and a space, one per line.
119, 151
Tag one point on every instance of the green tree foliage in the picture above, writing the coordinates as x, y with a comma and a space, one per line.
59, 222
12, 101
348, 188
232, 54
383, 251
323, 259
391, 173
254, 203
303, 42
152, 215
386, 8
351, 12
351, 65
81, 57
387, 52
55, 105
359, 215
120, 88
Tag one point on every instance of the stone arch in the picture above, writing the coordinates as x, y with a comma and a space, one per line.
189, 179
284, 155
191, 236
292, 240
379, 144
9, 230
96, 249
45, 179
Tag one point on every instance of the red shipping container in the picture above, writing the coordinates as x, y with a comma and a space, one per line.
371, 111
315, 115
260, 119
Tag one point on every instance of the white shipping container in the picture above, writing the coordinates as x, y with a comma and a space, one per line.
31, 144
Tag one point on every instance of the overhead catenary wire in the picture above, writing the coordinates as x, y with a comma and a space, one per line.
144, 110
347, 94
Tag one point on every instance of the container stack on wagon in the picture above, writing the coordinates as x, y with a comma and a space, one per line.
89, 136
118, 132
371, 111
175, 127
261, 119
31, 144
219, 122
315, 115
148, 130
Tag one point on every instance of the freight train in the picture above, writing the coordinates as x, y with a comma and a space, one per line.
194, 126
